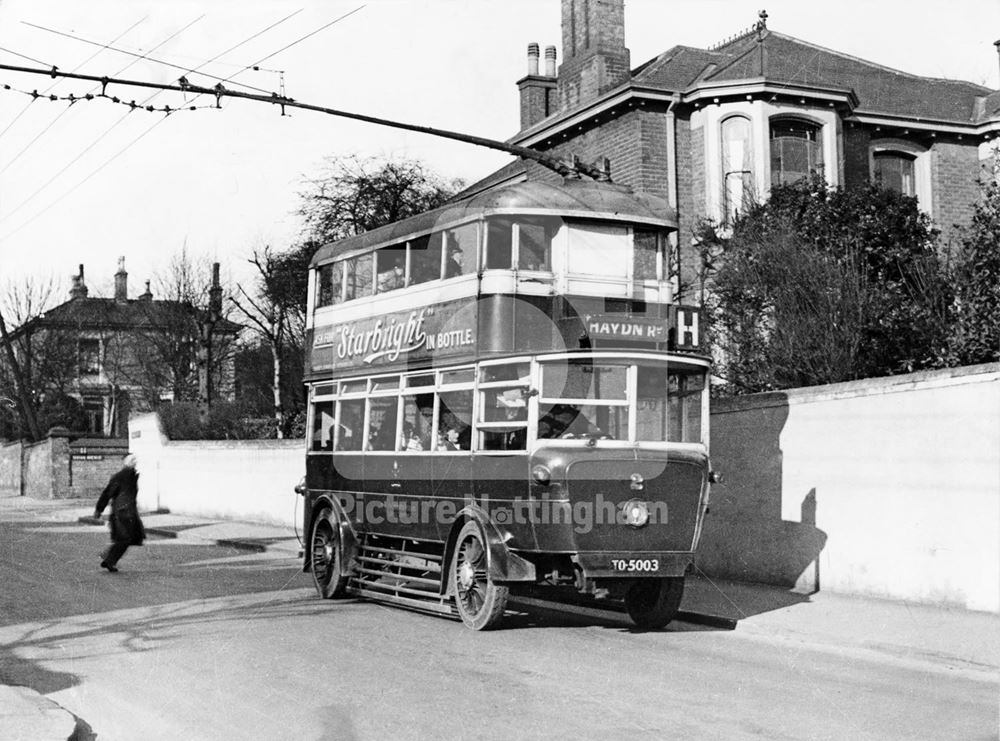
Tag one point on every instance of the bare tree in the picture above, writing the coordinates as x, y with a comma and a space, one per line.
355, 194
171, 338
275, 313
28, 364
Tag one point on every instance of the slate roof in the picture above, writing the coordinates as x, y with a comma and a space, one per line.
107, 313
787, 60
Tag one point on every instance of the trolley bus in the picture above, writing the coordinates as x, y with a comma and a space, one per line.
503, 398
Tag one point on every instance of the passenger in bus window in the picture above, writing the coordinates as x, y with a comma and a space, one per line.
425, 420
453, 435
392, 279
566, 420
411, 438
453, 266
351, 419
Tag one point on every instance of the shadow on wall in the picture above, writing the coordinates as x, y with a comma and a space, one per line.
746, 536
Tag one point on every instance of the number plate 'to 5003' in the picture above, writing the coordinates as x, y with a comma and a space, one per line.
635, 564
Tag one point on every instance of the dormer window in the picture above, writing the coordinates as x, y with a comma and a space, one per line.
796, 150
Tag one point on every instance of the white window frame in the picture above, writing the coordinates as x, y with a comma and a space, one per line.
921, 166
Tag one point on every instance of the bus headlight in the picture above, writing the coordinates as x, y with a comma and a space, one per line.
541, 474
636, 512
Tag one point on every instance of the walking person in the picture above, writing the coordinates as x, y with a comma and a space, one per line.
126, 527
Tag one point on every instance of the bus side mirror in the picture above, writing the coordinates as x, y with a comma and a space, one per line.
716, 477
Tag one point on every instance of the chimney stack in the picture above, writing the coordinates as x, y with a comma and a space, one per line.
79, 289
215, 294
537, 91
121, 281
148, 295
595, 59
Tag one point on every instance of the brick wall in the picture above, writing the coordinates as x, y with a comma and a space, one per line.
91, 463
691, 203
955, 172
856, 164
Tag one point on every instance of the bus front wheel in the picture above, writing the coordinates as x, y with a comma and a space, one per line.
652, 603
480, 602
327, 556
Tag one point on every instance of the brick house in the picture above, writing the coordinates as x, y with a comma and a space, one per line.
121, 354
707, 129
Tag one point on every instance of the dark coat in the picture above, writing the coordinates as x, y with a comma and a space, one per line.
121, 492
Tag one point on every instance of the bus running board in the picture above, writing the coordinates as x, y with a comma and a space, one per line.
385, 570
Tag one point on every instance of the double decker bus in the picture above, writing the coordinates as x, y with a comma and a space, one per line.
503, 398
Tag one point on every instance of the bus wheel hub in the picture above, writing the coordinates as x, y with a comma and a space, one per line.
466, 575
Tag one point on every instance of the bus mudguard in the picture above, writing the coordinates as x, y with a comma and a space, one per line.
348, 538
502, 564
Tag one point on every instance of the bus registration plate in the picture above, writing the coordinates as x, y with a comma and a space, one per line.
644, 565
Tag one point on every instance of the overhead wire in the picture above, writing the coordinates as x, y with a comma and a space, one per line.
25, 56
120, 120
313, 33
148, 130
89, 146
85, 61
65, 110
184, 70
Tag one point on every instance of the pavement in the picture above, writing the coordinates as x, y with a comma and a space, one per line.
922, 637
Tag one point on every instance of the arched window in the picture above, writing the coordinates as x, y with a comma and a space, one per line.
737, 166
896, 171
796, 150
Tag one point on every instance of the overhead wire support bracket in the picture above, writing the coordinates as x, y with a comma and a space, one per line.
218, 92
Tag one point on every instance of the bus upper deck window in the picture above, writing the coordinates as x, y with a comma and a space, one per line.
359, 277
461, 249
390, 267
599, 249
330, 284
645, 251
425, 258
499, 243
534, 244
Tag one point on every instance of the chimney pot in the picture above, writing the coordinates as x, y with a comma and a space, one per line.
533, 58
550, 61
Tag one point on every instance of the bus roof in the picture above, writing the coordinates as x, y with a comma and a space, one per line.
573, 198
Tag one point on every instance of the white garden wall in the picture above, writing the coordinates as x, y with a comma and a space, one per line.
887, 487
249, 480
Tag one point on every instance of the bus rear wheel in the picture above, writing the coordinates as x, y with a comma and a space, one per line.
652, 603
480, 602
327, 556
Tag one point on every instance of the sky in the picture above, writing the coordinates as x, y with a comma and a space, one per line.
93, 181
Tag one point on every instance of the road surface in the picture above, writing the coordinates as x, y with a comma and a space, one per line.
205, 642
